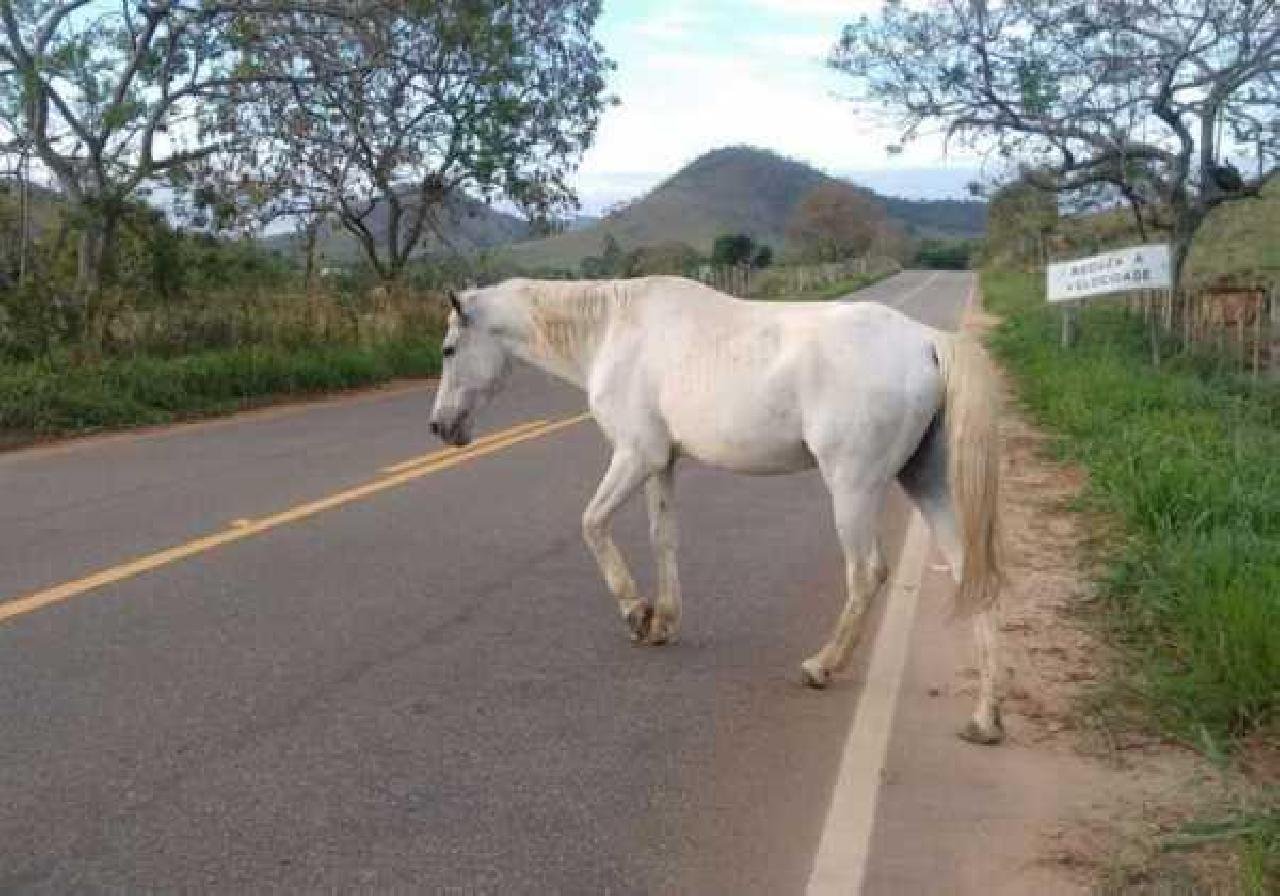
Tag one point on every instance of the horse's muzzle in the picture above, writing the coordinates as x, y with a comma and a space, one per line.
457, 433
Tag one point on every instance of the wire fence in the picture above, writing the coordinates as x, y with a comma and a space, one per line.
1237, 323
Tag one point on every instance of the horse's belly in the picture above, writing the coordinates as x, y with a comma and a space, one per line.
745, 443
759, 460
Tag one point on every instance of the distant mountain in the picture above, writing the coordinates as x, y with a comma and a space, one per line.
736, 189
466, 225
937, 217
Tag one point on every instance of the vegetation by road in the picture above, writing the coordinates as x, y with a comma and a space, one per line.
838, 288
57, 397
1185, 495
1184, 460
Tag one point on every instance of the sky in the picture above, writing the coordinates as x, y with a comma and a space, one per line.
700, 74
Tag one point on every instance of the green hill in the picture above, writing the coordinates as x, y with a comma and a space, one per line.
735, 189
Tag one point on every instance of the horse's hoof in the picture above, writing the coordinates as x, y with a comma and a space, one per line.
815, 676
661, 630
983, 736
639, 620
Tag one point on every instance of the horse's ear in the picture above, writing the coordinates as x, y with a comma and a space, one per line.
457, 308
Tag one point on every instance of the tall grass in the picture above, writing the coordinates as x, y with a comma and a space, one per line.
1187, 459
57, 396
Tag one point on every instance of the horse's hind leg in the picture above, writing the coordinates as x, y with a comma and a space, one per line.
985, 726
925, 479
625, 474
659, 491
857, 512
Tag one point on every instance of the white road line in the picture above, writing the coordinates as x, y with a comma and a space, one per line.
841, 862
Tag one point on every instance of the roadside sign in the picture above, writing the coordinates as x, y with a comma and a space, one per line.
1138, 267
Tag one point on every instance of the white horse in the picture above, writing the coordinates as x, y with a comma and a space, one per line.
673, 368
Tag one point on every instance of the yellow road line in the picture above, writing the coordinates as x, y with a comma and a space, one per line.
448, 452
241, 529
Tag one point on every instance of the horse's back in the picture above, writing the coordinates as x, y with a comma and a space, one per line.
755, 386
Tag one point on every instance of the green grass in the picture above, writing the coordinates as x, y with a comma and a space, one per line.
1256, 834
59, 397
833, 290
852, 284
1185, 459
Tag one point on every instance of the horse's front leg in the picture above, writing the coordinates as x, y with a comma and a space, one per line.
626, 472
662, 532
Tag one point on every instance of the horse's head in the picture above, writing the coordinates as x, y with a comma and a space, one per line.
475, 366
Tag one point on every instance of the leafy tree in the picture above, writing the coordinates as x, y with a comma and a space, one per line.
672, 257
893, 242
611, 260
112, 98
834, 221
1127, 99
944, 254
763, 257
732, 249
430, 100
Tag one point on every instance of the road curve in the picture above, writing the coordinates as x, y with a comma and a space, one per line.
422, 686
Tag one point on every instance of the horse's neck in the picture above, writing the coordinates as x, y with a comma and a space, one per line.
561, 336
575, 371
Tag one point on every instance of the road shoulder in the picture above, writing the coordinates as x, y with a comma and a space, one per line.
1064, 805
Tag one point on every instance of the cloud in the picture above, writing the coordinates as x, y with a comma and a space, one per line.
678, 105
842, 8
667, 25
692, 78
814, 47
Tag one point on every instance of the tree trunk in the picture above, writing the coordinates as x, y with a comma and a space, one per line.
312, 237
96, 253
24, 217
95, 264
1186, 220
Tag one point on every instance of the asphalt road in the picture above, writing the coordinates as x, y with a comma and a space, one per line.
425, 687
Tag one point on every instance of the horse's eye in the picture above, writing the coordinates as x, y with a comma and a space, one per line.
448, 351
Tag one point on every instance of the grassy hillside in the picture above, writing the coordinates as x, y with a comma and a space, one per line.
730, 190
1240, 239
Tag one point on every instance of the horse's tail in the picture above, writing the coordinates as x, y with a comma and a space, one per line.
971, 414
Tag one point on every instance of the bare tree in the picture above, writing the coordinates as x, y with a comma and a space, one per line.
1020, 217
1138, 97
834, 221
483, 97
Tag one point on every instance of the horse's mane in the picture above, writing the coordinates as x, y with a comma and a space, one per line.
571, 316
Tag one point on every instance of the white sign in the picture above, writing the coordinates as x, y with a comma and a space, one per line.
1138, 267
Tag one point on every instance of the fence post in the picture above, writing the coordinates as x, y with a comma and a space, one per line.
1240, 339
1186, 319
1257, 334
1153, 329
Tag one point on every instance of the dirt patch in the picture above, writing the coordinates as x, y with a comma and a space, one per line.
1124, 830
